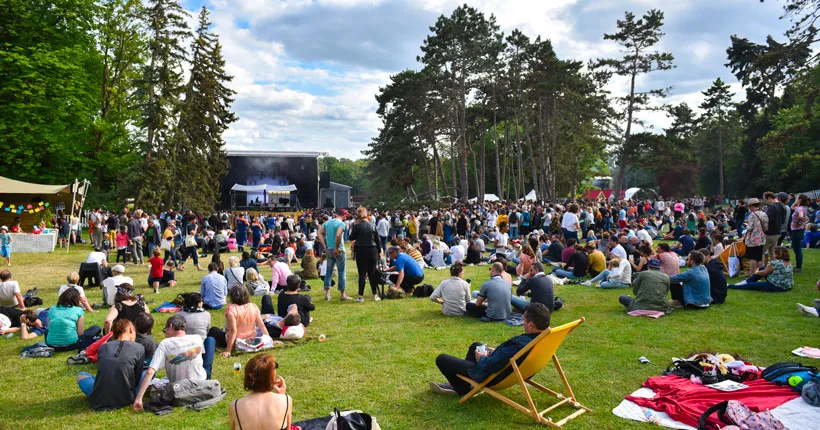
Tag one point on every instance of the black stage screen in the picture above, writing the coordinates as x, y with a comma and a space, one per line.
274, 168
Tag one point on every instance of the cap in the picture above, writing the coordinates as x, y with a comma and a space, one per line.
654, 263
4, 228
118, 268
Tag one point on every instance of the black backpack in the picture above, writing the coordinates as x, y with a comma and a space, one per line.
513, 217
397, 222
424, 290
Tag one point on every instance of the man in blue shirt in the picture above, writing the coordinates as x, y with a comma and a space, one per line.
408, 272
692, 288
493, 300
685, 243
330, 235
214, 288
480, 365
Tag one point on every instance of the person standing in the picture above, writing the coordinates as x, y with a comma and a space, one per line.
5, 244
799, 220
777, 215
330, 235
366, 251
755, 235
383, 228
570, 225
95, 223
135, 237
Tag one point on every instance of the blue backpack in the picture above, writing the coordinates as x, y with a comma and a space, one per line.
792, 374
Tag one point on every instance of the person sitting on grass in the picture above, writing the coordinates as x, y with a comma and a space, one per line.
685, 244
19, 320
814, 310
156, 273
691, 288
234, 273
248, 263
778, 274
126, 305
478, 366
669, 260
213, 288
242, 321
257, 285
267, 404
576, 266
540, 288
119, 370
67, 324
197, 320
290, 297
619, 275
10, 291
493, 299
309, 266
717, 277
183, 356
596, 259
73, 279
453, 293
109, 286
650, 289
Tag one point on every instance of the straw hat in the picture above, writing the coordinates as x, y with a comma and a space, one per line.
753, 202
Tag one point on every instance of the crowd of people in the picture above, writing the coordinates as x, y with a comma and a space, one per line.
528, 248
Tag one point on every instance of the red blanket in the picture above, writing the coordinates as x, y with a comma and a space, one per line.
685, 401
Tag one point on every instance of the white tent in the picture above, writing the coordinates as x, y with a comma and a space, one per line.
630, 192
531, 196
487, 198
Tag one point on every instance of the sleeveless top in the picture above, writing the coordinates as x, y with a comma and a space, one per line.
130, 312
284, 420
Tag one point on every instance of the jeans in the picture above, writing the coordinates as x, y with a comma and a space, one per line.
97, 238
85, 339
739, 224
451, 367
338, 263
797, 246
570, 234
518, 302
607, 224
514, 232
383, 240
626, 301
172, 255
754, 283
565, 274
208, 355
680, 252
366, 259
601, 276
151, 246
136, 250
612, 285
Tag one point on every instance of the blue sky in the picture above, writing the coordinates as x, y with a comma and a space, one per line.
306, 71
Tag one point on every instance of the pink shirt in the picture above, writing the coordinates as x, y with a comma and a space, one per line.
678, 207
669, 263
280, 273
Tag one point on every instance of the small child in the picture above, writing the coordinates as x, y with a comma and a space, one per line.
122, 244
143, 324
5, 244
322, 265
156, 273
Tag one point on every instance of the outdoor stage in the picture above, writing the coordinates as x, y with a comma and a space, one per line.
271, 181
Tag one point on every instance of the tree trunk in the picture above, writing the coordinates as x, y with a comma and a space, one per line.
482, 185
497, 158
720, 160
465, 182
623, 163
519, 180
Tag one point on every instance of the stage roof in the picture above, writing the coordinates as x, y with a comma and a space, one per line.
11, 186
311, 154
268, 188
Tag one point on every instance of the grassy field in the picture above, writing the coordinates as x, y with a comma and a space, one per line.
379, 356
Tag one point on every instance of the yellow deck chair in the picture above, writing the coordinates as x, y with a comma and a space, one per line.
538, 353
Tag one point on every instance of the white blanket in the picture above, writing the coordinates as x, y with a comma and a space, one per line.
795, 414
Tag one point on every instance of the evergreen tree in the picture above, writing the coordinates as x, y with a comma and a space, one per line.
637, 38
716, 108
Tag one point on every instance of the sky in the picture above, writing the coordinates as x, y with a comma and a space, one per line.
306, 72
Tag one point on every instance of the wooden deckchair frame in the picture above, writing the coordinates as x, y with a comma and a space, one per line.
530, 409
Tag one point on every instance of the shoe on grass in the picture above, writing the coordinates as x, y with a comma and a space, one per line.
377, 298
359, 300
345, 298
442, 388
80, 358
816, 303
807, 311
587, 283
743, 282
327, 297
675, 304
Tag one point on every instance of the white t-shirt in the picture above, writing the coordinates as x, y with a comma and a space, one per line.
570, 221
95, 257
67, 286
619, 251
480, 244
181, 357
644, 236
501, 240
323, 268
109, 287
457, 254
8, 290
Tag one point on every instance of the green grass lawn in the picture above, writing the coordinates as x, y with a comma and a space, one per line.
379, 356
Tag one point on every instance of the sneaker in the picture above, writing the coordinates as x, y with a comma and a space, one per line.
805, 310
743, 282
816, 303
359, 300
587, 283
377, 299
442, 388
675, 304
345, 298
327, 297
80, 358
797, 269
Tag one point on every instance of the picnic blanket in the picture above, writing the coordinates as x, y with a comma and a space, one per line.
675, 402
646, 313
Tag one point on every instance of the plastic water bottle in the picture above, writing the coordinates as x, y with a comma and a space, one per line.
236, 368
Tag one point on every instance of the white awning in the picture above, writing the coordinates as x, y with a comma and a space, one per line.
531, 196
11, 186
264, 188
